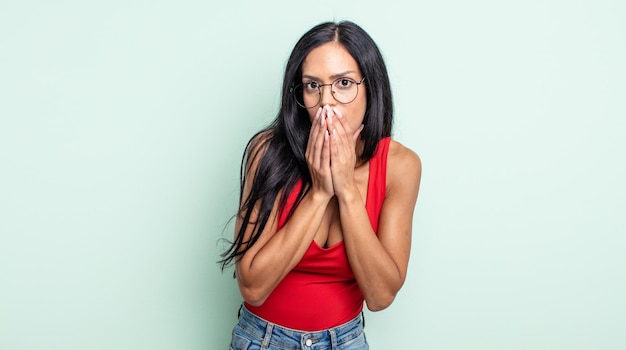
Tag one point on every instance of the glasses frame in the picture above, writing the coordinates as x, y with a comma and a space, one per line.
319, 92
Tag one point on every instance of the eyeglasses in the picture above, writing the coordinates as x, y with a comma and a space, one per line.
343, 90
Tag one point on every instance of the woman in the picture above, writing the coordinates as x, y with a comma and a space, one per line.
326, 203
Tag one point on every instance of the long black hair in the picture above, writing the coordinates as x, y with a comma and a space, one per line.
282, 145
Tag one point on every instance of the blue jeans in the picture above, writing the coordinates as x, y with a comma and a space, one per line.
254, 333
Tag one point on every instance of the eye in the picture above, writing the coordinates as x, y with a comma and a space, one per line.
311, 87
344, 83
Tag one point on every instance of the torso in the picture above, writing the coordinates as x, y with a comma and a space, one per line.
322, 288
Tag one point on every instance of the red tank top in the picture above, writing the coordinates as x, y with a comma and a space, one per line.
321, 291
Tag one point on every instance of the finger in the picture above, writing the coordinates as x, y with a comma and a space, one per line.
330, 114
335, 126
311, 133
315, 122
319, 138
341, 120
325, 156
314, 134
342, 128
333, 145
329, 122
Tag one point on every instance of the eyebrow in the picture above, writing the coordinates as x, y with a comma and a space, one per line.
333, 77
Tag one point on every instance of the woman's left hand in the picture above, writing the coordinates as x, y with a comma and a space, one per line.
342, 151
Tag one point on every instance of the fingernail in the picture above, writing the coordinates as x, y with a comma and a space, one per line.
339, 115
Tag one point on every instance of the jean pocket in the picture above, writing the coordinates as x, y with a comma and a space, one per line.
239, 343
358, 343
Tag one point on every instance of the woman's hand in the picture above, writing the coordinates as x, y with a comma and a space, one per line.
342, 151
318, 155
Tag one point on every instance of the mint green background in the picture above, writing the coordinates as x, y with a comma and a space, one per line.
122, 125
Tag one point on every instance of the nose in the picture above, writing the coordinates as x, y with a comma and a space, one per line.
326, 95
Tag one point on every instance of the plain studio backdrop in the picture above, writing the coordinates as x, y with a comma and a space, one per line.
122, 125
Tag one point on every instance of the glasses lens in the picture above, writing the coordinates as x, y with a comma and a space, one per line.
311, 99
345, 90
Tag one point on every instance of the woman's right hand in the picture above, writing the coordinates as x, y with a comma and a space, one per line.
318, 155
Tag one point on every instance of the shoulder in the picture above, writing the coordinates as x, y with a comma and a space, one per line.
402, 157
404, 166
258, 144
259, 141
255, 152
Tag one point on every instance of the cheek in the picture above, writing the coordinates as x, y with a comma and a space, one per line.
358, 112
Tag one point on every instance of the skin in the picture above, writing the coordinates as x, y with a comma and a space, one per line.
334, 209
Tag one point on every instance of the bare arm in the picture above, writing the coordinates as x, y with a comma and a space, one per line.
276, 253
379, 262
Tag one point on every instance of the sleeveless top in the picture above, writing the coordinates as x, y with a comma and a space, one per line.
321, 291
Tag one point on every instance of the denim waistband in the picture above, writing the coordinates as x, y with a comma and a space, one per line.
274, 336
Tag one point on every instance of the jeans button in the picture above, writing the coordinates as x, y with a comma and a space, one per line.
308, 342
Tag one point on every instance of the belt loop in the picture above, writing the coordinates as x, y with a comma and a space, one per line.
333, 338
268, 335
363, 318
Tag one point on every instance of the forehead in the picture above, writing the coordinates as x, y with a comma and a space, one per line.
328, 60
